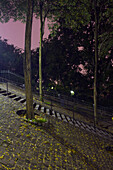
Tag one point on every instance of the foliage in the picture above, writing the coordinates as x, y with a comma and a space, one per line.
73, 14
13, 9
73, 26
84, 37
65, 61
10, 58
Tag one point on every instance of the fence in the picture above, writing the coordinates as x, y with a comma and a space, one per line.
73, 104
12, 77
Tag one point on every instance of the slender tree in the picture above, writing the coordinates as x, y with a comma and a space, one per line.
42, 11
77, 13
14, 9
96, 62
40, 50
27, 61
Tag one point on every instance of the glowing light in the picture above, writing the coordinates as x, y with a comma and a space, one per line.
72, 92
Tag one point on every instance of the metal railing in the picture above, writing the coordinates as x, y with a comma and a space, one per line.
67, 102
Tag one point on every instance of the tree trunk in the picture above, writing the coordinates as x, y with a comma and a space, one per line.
27, 62
40, 53
96, 63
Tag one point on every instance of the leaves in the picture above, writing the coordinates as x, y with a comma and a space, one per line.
10, 57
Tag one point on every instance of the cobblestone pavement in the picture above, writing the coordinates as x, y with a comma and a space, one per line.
56, 146
61, 114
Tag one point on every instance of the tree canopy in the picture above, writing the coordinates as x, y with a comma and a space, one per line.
10, 57
73, 34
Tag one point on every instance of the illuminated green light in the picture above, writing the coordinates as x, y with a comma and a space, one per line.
72, 92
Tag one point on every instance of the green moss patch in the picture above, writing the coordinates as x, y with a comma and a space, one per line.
37, 120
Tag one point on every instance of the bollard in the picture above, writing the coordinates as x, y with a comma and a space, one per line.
7, 86
51, 104
73, 114
94, 118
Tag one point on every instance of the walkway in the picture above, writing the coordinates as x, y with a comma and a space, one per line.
57, 146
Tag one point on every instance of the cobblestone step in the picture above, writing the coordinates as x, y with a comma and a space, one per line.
61, 146
63, 117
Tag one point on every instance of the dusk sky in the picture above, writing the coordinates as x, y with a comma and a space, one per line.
14, 32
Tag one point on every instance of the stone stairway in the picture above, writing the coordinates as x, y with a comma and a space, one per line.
61, 116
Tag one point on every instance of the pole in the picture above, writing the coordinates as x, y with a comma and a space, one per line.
94, 117
51, 105
7, 86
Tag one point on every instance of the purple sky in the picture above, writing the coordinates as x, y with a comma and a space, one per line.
14, 32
